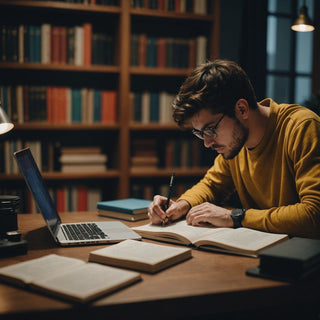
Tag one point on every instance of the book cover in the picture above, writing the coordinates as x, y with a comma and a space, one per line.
291, 260
129, 206
141, 256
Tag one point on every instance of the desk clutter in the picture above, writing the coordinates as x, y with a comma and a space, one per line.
78, 281
10, 239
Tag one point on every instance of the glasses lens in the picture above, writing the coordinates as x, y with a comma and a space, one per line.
198, 134
209, 132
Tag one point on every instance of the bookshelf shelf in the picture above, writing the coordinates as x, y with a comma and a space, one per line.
66, 126
56, 176
164, 173
166, 72
59, 67
61, 6
116, 139
170, 15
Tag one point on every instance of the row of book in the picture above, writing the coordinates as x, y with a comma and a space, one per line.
101, 2
149, 190
150, 153
148, 107
52, 157
46, 43
181, 6
77, 197
149, 51
82, 159
59, 104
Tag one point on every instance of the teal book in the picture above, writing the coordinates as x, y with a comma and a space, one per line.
131, 209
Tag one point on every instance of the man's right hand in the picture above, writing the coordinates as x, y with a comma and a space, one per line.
175, 211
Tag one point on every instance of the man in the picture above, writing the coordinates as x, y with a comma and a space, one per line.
268, 153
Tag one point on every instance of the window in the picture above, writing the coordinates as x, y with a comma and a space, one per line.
289, 53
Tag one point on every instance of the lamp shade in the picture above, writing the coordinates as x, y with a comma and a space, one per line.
5, 124
303, 23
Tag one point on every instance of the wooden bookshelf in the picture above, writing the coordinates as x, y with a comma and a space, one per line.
122, 21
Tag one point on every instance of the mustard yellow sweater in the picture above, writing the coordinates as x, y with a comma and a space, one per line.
278, 182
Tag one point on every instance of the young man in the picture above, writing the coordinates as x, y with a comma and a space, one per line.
268, 153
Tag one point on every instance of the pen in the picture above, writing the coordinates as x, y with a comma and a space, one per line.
168, 197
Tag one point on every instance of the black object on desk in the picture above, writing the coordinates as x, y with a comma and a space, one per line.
291, 260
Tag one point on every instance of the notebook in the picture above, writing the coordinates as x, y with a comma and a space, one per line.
66, 234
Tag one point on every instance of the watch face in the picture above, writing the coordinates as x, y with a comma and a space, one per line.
237, 213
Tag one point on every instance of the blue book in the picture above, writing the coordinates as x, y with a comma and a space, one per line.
76, 105
137, 115
154, 107
97, 106
130, 205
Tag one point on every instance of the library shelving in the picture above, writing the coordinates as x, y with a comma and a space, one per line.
81, 74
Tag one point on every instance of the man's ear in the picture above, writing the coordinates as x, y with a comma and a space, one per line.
242, 109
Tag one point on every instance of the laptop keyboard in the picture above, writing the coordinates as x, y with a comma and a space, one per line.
83, 231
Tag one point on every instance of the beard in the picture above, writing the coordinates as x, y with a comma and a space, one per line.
239, 135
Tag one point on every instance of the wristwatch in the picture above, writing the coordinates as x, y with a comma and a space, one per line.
237, 216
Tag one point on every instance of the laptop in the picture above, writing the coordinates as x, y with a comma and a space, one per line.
68, 234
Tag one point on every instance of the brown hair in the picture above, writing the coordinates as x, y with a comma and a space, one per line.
215, 86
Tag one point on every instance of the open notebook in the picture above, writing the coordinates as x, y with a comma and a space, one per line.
81, 233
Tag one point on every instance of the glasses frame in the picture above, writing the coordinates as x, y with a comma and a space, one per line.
209, 132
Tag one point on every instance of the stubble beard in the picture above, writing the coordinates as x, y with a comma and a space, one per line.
240, 136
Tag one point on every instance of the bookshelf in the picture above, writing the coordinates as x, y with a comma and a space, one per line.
180, 25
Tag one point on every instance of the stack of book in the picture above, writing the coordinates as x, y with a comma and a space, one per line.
144, 155
130, 209
82, 159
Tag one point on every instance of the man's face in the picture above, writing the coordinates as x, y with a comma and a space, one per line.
227, 137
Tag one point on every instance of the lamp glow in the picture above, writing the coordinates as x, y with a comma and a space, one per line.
5, 124
303, 23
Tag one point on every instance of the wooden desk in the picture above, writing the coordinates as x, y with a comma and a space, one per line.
207, 284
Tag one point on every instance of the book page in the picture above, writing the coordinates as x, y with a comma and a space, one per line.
86, 282
179, 232
38, 268
138, 251
241, 238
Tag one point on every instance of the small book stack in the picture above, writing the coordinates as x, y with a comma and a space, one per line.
130, 209
144, 155
82, 159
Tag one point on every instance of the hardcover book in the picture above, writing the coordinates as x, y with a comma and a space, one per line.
291, 260
241, 241
128, 209
138, 255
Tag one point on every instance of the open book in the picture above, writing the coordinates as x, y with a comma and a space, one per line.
68, 278
240, 241
143, 256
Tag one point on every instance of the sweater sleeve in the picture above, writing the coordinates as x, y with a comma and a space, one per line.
213, 187
302, 218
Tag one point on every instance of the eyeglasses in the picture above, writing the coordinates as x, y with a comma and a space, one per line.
209, 132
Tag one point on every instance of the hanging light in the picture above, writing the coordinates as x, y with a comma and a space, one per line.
303, 23
5, 124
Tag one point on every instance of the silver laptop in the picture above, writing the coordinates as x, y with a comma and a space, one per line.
66, 234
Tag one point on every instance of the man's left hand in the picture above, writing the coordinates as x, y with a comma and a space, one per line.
209, 213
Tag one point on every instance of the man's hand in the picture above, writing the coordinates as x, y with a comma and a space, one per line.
175, 211
209, 213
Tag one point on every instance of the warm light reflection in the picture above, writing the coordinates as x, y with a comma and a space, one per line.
5, 127
302, 28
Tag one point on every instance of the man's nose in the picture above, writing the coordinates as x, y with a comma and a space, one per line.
207, 141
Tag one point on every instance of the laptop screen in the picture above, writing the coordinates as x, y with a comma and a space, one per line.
37, 187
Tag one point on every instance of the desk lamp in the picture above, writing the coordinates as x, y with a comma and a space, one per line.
5, 124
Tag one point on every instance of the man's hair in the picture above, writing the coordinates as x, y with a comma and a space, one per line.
215, 86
